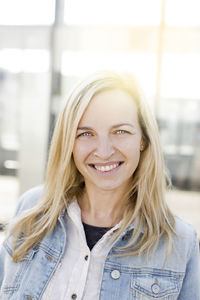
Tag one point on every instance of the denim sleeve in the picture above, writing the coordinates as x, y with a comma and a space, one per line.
191, 282
3, 252
2, 262
26, 201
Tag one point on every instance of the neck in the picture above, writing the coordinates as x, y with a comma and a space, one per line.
102, 208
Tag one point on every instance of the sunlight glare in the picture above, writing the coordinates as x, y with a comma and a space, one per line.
183, 12
28, 60
23, 12
180, 78
113, 12
142, 65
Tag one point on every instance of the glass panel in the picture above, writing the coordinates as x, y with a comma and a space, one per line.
180, 134
183, 12
9, 113
14, 65
113, 12
180, 76
23, 12
17, 60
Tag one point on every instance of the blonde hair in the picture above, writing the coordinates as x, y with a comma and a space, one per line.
63, 180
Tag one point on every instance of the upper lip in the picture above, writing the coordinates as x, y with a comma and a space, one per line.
106, 163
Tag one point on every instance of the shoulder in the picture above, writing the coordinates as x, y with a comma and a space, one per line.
183, 228
186, 236
29, 199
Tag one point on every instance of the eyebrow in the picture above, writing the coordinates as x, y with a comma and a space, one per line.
123, 124
114, 126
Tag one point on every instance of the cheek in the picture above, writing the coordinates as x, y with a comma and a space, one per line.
131, 150
78, 161
130, 147
80, 152
76, 154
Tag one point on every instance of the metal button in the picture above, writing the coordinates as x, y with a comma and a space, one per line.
86, 257
49, 258
155, 288
74, 296
115, 274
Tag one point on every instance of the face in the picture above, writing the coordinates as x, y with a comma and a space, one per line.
108, 141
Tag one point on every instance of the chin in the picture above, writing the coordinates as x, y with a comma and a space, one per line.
111, 186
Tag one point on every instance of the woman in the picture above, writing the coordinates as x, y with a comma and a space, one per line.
100, 228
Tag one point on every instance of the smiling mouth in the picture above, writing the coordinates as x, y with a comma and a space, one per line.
106, 168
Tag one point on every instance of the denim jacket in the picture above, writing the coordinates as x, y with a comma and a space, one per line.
124, 278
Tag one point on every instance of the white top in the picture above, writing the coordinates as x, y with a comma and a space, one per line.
80, 270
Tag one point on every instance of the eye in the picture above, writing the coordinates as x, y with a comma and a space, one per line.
120, 131
85, 134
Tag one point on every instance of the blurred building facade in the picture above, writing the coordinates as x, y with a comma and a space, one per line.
42, 57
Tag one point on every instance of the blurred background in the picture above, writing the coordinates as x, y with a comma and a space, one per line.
47, 45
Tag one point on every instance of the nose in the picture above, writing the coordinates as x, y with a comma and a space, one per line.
104, 148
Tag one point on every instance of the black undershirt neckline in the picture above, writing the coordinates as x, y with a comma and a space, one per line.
94, 233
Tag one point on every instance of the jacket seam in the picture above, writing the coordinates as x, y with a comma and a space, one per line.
193, 246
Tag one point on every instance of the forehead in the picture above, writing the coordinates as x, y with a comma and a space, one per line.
114, 105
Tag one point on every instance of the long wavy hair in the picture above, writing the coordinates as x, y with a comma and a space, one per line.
146, 193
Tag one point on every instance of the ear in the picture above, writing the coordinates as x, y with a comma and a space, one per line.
142, 145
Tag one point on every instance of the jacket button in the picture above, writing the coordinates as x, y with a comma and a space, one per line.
49, 258
155, 288
29, 297
115, 274
74, 296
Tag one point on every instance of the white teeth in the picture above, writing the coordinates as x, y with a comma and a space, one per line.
106, 168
